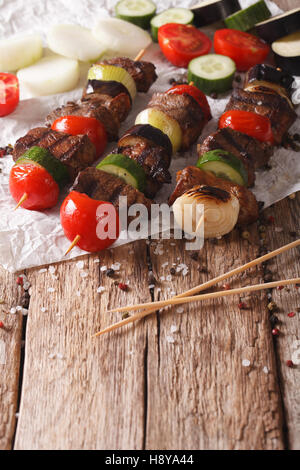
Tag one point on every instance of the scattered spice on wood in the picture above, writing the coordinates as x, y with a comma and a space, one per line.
242, 306
292, 196
275, 332
125, 315
226, 286
1, 324
123, 286
246, 235
289, 363
194, 255
280, 287
291, 314
173, 271
110, 272
20, 281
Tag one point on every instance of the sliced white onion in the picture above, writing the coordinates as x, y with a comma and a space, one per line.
125, 38
220, 213
20, 51
75, 42
50, 75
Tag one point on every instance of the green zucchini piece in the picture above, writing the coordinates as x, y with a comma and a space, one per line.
248, 17
224, 165
138, 12
212, 73
124, 167
173, 15
45, 159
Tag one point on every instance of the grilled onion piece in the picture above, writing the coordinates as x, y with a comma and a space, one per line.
221, 210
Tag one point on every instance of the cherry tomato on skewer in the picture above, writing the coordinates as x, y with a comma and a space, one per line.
181, 43
249, 123
86, 220
197, 94
75, 125
9, 93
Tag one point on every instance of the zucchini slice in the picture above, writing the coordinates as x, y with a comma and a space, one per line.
173, 15
42, 157
210, 11
212, 73
122, 166
138, 12
224, 165
247, 18
279, 26
109, 73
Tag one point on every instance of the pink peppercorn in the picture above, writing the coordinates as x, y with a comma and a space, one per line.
280, 287
275, 332
226, 286
20, 281
242, 305
123, 286
291, 314
289, 363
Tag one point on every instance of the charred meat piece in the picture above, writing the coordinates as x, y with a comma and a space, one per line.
192, 176
106, 187
273, 106
271, 78
185, 110
76, 152
103, 108
143, 73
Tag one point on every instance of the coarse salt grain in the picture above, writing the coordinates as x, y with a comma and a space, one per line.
96, 260
296, 344
24, 312
246, 363
51, 356
50, 290
265, 370
296, 357
165, 264
43, 309
151, 286
169, 278
103, 268
26, 285
162, 278
80, 265
52, 269
13, 310
43, 270
170, 339
173, 329
84, 274
116, 266
180, 310
78, 293
19, 308
100, 289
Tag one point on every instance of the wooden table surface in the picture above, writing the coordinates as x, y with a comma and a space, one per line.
175, 380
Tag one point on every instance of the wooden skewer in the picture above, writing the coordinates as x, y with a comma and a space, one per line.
140, 55
206, 285
74, 243
23, 198
195, 298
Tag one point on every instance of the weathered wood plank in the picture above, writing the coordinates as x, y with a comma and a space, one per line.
90, 392
10, 353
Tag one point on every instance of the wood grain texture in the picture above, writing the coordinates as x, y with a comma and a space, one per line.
10, 351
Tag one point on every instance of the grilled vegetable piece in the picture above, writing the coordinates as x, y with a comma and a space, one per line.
273, 79
224, 165
108, 73
272, 106
106, 187
210, 11
104, 108
287, 52
279, 26
191, 176
248, 17
172, 15
247, 122
143, 73
125, 168
138, 12
221, 210
185, 110
109, 89
212, 73
252, 152
149, 134
75, 152
197, 94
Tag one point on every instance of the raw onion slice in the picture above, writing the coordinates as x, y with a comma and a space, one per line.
113, 73
20, 51
125, 38
75, 42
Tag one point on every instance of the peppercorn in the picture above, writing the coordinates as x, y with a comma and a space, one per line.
289, 363
194, 256
226, 286
110, 272
275, 332
123, 286
19, 281
242, 305
125, 315
291, 314
172, 271
245, 235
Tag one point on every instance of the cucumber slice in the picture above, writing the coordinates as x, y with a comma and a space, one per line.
224, 165
162, 121
109, 73
123, 167
173, 15
247, 18
138, 12
212, 73
45, 159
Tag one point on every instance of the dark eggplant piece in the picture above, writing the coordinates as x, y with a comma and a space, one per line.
110, 88
290, 64
279, 26
287, 52
148, 132
211, 11
264, 75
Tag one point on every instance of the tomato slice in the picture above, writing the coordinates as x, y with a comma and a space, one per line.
90, 219
245, 49
249, 123
9, 93
197, 94
181, 43
41, 189
75, 125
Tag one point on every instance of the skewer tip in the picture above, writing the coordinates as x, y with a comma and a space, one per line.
140, 55
23, 198
74, 243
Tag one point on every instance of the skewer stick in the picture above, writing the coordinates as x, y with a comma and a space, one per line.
140, 55
207, 284
74, 243
184, 300
23, 198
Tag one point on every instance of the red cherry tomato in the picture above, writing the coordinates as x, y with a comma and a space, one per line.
75, 125
181, 43
245, 49
41, 189
249, 123
9, 93
88, 218
197, 94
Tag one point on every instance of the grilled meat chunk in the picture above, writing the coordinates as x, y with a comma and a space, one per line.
273, 106
192, 176
185, 110
106, 187
76, 152
143, 73
104, 108
271, 78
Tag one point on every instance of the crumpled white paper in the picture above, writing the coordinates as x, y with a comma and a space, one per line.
29, 239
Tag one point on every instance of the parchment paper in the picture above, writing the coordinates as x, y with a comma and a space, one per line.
28, 238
